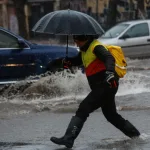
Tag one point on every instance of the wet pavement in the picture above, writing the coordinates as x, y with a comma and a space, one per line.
32, 132
31, 114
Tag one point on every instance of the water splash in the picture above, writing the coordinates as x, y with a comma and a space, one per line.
133, 83
63, 84
66, 89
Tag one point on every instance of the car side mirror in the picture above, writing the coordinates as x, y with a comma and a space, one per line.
21, 43
125, 36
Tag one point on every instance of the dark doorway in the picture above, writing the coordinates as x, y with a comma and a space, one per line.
38, 10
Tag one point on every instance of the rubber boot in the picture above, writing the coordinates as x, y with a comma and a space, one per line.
129, 130
71, 134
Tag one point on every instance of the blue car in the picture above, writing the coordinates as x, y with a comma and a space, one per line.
20, 58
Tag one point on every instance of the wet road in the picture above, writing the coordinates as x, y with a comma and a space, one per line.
32, 132
30, 116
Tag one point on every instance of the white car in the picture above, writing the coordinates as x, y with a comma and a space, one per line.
132, 36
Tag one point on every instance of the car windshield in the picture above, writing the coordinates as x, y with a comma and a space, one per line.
115, 31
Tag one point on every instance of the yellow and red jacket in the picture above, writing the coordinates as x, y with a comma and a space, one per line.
96, 59
91, 63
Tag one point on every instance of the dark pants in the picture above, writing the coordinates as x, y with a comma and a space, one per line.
104, 98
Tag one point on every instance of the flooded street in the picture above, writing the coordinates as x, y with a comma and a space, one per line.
30, 113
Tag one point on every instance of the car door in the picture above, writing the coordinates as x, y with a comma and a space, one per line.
15, 61
136, 40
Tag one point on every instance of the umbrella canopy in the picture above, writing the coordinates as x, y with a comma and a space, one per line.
68, 22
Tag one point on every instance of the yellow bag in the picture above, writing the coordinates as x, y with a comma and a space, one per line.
120, 60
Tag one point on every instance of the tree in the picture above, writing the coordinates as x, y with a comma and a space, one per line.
112, 13
141, 7
19, 6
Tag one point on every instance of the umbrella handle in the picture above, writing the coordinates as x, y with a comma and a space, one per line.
67, 48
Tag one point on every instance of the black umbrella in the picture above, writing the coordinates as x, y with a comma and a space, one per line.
68, 22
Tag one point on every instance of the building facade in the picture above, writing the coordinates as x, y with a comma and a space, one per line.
35, 9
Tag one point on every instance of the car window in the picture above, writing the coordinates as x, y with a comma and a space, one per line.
115, 31
138, 30
7, 40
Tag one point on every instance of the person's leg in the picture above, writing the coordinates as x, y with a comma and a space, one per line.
88, 105
110, 112
71, 133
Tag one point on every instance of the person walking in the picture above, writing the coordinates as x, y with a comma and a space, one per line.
99, 67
